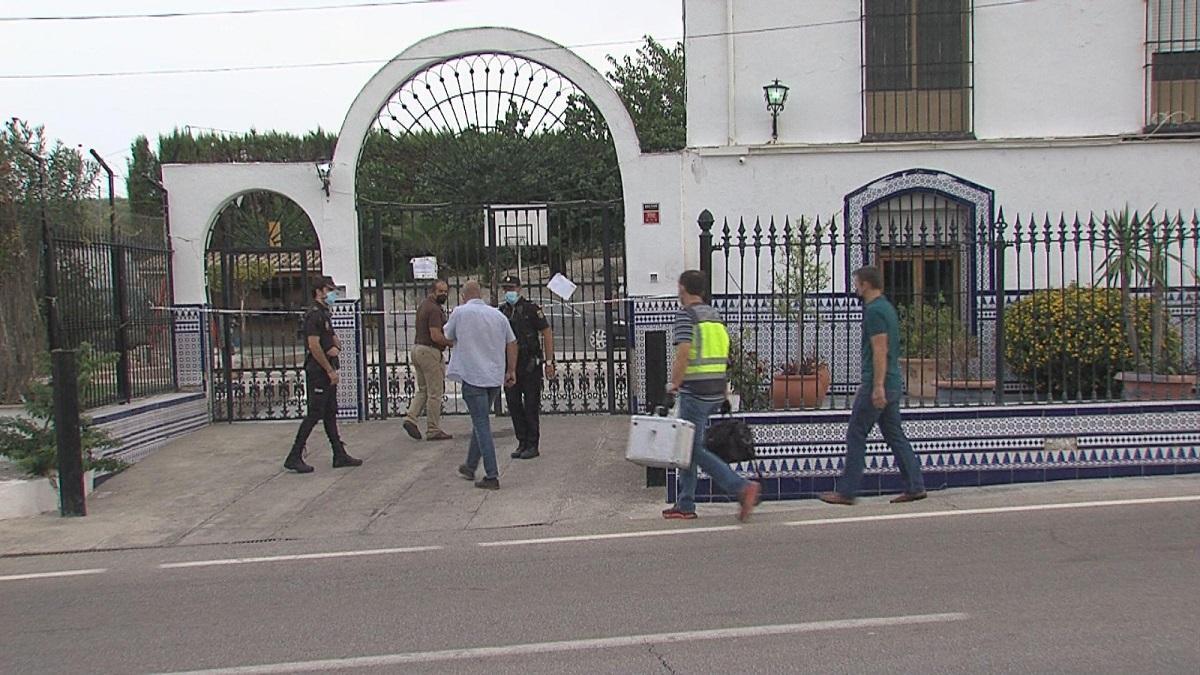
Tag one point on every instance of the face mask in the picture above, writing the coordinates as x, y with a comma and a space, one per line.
511, 297
441, 299
331, 297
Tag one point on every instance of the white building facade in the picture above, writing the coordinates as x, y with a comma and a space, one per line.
1055, 106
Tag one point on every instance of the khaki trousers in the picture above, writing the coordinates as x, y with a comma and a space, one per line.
431, 386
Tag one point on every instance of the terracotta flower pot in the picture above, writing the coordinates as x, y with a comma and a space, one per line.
921, 377
965, 392
800, 391
1155, 387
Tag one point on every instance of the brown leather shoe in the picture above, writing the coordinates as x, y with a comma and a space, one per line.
836, 498
411, 427
438, 436
909, 497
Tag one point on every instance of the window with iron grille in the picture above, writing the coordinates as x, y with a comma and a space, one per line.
918, 239
1173, 65
917, 59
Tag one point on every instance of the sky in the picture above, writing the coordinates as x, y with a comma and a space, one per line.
107, 113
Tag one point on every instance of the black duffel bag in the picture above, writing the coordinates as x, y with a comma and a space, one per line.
729, 438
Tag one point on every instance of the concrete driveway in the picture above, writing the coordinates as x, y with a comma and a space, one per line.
225, 484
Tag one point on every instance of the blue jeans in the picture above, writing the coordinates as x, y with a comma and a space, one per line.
697, 411
479, 402
863, 418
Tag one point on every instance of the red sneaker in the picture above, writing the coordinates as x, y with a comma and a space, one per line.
675, 514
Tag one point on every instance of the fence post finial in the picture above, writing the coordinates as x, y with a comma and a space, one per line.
706, 221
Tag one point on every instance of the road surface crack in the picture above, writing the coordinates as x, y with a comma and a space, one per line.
662, 659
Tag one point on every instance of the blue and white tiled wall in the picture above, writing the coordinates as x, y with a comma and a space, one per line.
801, 454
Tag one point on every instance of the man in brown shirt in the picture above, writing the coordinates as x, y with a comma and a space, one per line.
427, 361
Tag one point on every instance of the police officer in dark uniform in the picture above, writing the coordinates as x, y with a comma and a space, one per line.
321, 375
535, 356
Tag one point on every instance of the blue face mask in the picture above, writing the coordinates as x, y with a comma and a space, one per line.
331, 297
511, 297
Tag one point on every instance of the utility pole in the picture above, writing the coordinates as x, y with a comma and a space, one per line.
49, 262
65, 371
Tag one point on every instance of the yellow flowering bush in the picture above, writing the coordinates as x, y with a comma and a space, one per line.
1071, 342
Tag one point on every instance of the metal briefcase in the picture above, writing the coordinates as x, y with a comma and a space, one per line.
664, 442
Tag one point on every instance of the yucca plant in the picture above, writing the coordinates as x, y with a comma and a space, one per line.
1140, 256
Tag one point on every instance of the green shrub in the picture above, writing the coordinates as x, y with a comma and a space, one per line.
1071, 342
29, 441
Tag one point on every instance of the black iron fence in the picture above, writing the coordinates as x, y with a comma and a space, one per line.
115, 296
1031, 309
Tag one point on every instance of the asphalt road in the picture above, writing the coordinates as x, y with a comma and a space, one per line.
1107, 588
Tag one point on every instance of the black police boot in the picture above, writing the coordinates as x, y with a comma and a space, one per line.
516, 454
342, 459
295, 462
530, 452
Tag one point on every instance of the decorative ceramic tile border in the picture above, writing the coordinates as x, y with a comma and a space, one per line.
801, 453
145, 425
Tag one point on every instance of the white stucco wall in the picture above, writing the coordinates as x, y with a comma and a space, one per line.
1047, 68
655, 249
1055, 178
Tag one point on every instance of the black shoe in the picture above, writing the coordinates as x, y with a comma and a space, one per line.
529, 453
297, 464
344, 460
411, 428
516, 454
466, 472
488, 484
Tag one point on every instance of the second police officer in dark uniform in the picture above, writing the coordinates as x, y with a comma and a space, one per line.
535, 356
321, 378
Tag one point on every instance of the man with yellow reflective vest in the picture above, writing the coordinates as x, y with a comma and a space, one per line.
699, 380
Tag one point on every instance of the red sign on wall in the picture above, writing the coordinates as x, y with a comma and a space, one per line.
650, 214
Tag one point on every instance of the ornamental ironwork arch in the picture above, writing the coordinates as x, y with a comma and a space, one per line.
480, 92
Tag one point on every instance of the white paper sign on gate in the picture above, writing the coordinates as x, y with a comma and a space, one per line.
562, 286
425, 268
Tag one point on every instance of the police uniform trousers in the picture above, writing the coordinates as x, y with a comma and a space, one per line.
322, 407
525, 404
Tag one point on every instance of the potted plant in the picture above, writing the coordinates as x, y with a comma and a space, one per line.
747, 374
1139, 257
958, 382
924, 328
800, 384
799, 275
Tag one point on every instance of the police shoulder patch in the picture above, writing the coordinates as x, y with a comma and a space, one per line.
540, 313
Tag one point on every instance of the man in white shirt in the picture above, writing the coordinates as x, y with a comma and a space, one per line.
484, 359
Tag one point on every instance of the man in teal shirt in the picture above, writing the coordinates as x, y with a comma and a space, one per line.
878, 398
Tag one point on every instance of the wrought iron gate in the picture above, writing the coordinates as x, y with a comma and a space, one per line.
258, 298
583, 241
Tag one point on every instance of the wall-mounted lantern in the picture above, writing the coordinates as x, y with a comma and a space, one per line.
324, 169
776, 95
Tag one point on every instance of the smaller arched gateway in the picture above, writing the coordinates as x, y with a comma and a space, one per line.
261, 263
